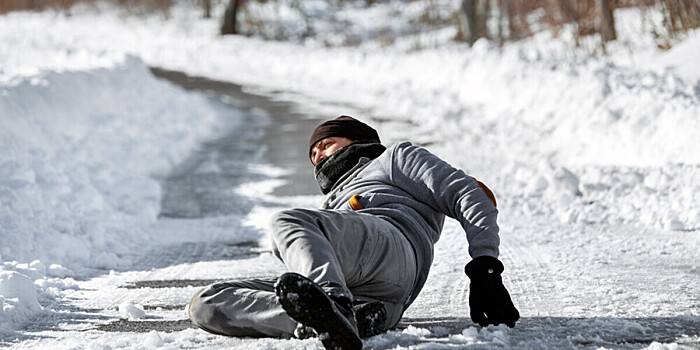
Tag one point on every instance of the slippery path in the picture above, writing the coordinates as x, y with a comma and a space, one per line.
600, 286
588, 300
204, 187
204, 196
282, 139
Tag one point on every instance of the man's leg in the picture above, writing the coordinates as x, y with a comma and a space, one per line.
357, 254
241, 309
388, 274
339, 250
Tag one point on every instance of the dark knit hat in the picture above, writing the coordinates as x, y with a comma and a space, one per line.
344, 126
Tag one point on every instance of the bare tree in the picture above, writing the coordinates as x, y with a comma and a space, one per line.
206, 5
473, 15
607, 21
228, 25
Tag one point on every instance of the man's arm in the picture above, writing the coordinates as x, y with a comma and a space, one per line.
455, 194
450, 191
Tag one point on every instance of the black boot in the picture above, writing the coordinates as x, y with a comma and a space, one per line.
304, 332
331, 316
371, 318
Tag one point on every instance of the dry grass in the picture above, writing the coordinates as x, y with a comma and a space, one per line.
35, 5
133, 6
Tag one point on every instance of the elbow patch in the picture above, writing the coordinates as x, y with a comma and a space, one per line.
487, 191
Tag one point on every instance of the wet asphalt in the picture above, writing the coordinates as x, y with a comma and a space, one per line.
284, 140
203, 184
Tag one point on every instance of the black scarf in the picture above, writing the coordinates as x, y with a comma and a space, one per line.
330, 170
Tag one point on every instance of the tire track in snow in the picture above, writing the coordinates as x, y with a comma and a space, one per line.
523, 275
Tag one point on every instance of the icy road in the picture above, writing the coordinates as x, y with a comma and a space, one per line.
589, 286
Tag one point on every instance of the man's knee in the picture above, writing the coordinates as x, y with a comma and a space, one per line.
288, 221
206, 315
288, 216
237, 309
199, 311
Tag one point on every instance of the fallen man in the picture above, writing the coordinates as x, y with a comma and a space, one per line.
356, 264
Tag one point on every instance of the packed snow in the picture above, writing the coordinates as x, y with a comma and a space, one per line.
594, 160
80, 150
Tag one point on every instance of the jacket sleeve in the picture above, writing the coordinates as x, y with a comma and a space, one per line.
449, 191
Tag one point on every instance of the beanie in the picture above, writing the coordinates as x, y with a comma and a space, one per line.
344, 126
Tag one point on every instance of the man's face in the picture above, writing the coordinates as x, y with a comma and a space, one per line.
324, 148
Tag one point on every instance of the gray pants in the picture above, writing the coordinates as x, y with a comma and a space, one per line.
359, 254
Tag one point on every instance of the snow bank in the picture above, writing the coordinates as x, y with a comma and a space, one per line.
80, 150
531, 98
659, 198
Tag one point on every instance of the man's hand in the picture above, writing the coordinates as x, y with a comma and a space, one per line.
489, 301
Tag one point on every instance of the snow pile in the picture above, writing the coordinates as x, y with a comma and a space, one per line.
80, 150
663, 198
576, 113
18, 299
495, 336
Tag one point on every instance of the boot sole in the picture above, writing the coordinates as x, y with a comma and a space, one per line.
371, 319
307, 303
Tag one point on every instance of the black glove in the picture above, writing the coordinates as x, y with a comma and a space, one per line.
489, 301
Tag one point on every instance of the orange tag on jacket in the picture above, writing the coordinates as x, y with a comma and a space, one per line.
355, 202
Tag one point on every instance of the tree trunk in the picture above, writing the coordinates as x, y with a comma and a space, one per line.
473, 15
229, 23
206, 4
607, 21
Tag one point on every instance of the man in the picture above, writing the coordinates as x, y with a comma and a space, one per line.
358, 262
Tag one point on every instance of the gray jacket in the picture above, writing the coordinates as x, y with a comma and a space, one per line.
414, 189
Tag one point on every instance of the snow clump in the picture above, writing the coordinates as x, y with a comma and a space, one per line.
18, 300
131, 311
